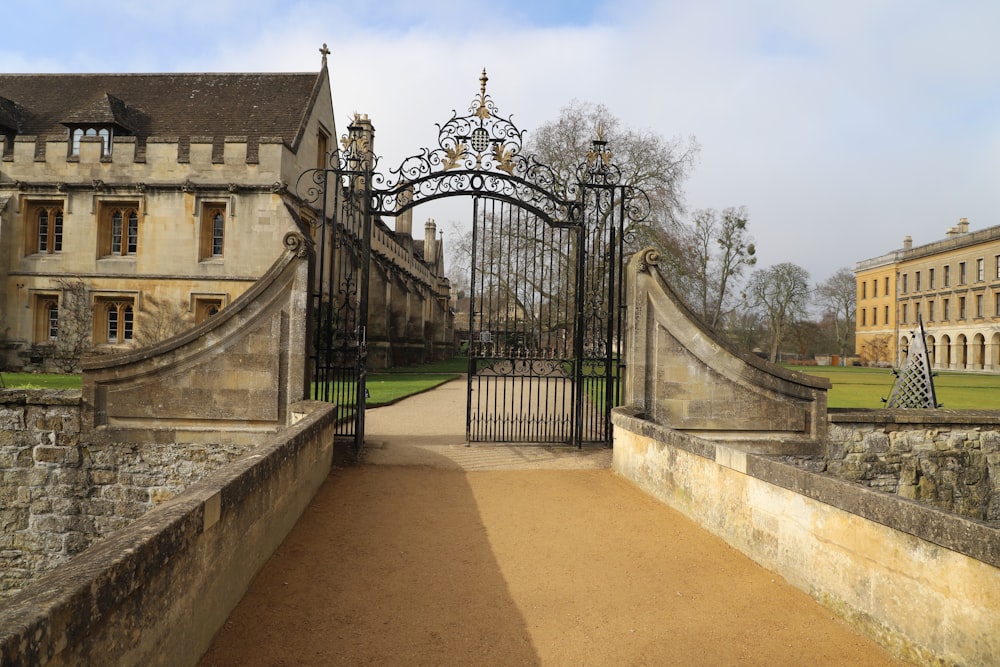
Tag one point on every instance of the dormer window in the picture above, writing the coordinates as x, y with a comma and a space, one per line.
105, 132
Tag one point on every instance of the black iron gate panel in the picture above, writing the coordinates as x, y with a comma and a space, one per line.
339, 297
522, 327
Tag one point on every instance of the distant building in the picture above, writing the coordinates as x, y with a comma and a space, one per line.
953, 285
145, 203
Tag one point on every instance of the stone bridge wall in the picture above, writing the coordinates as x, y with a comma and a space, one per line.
713, 434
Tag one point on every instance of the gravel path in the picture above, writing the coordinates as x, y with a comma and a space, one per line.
434, 553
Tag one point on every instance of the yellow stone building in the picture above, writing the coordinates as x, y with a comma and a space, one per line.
133, 206
951, 285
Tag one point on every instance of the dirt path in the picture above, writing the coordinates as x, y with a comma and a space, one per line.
416, 559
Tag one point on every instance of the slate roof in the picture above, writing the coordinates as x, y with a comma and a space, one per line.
163, 105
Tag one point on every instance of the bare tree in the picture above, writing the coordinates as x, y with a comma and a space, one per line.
804, 335
648, 161
781, 292
75, 325
743, 327
161, 319
837, 296
720, 250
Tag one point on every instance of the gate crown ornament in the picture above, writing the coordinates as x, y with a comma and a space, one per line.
479, 153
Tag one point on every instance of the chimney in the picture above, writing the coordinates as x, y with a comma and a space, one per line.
907, 243
361, 141
430, 241
961, 228
404, 223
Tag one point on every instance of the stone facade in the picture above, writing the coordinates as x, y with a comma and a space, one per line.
133, 207
681, 375
952, 285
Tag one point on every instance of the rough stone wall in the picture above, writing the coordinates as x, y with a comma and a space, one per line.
58, 495
944, 459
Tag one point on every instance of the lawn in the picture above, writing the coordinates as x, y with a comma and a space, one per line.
40, 381
859, 387
386, 388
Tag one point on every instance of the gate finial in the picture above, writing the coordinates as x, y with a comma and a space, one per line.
482, 84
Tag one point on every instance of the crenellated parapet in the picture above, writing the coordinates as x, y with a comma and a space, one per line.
153, 161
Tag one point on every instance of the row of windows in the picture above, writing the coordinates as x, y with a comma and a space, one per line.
118, 230
946, 312
114, 317
932, 277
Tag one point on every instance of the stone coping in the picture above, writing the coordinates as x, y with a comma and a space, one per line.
976, 539
928, 417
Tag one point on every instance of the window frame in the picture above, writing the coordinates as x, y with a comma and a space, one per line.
212, 236
203, 305
114, 319
104, 131
55, 225
43, 304
119, 223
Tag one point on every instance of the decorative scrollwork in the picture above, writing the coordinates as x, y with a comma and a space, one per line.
479, 153
526, 367
648, 258
296, 244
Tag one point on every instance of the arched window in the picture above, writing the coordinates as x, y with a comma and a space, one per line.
213, 232
45, 228
119, 230
52, 320
45, 311
105, 132
118, 321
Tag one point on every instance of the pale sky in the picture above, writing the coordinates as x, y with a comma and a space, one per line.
841, 126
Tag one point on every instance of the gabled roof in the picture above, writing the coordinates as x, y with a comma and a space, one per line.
167, 105
106, 109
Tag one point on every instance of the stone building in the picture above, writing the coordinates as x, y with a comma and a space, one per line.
133, 206
952, 285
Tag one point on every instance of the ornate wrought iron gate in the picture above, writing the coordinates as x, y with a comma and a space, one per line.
341, 192
547, 266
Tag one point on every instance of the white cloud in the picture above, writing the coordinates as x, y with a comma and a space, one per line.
841, 126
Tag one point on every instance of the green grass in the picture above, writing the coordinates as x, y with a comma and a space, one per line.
40, 381
859, 387
386, 388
